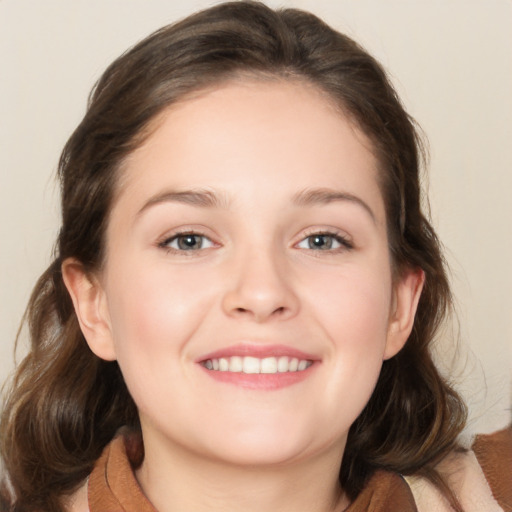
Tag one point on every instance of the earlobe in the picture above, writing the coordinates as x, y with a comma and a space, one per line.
90, 307
407, 293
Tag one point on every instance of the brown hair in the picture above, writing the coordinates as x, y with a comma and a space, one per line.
65, 403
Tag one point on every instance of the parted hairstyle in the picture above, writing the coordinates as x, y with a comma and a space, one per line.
65, 404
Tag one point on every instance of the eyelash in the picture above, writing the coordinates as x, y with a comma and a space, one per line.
344, 243
165, 244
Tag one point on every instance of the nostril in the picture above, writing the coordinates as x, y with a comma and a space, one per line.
278, 311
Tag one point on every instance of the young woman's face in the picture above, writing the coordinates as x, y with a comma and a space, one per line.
247, 291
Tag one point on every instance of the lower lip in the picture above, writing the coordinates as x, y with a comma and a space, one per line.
260, 381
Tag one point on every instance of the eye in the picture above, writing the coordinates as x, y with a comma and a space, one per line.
187, 242
324, 242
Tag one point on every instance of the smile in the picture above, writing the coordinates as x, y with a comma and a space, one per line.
255, 365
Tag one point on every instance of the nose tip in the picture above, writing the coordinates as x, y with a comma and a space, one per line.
260, 291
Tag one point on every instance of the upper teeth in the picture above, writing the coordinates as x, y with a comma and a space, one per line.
250, 364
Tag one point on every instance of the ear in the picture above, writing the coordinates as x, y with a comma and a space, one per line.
91, 308
406, 295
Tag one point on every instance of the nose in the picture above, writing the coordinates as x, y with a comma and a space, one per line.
260, 288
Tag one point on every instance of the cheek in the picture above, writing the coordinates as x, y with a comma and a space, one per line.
354, 317
153, 315
353, 303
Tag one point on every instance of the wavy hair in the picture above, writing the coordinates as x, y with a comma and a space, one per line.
65, 404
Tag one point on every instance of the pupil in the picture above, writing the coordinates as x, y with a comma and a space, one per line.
320, 242
189, 242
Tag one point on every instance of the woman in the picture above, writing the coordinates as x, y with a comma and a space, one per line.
244, 289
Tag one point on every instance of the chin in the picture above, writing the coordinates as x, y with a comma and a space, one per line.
262, 454
258, 446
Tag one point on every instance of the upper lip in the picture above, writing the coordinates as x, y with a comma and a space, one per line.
257, 350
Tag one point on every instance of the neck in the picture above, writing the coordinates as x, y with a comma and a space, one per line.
176, 479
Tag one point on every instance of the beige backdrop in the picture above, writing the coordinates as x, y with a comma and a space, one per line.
451, 61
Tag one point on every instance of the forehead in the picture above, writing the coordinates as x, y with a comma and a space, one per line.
281, 134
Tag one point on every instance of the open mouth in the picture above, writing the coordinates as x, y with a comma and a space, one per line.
259, 366
256, 365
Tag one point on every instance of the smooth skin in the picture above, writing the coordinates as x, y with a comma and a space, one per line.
250, 216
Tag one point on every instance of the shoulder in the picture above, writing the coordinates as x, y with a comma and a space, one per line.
480, 478
385, 492
111, 484
494, 454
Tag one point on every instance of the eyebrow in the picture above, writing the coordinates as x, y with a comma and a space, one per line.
195, 197
316, 196
208, 199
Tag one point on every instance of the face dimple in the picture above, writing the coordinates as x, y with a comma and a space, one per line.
250, 218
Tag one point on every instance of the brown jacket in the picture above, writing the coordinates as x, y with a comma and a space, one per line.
112, 485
